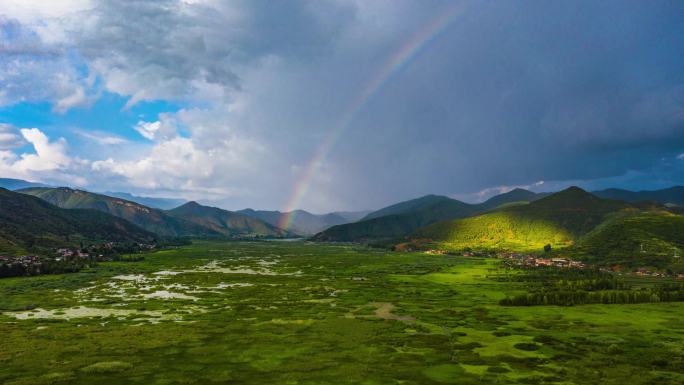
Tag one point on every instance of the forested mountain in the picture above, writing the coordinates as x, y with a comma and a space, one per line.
403, 218
153, 220
558, 219
669, 196
28, 224
398, 220
225, 222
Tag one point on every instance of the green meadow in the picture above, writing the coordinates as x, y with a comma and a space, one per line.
302, 313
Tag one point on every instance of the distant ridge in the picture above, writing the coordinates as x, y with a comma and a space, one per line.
226, 222
16, 184
517, 195
351, 216
302, 222
672, 195
398, 220
409, 206
156, 203
153, 220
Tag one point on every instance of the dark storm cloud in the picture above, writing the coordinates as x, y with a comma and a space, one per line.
175, 49
510, 93
518, 92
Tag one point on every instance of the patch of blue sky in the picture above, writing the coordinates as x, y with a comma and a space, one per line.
106, 115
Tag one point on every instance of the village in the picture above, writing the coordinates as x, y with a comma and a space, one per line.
518, 259
536, 261
529, 260
63, 260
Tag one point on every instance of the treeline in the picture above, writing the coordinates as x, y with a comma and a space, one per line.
43, 266
664, 293
544, 274
113, 251
553, 278
83, 257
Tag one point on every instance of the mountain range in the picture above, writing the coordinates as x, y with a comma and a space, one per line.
303, 222
673, 196
558, 219
16, 184
225, 222
189, 220
406, 217
153, 220
156, 203
610, 225
28, 224
572, 222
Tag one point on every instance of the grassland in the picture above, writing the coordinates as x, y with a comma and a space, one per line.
299, 313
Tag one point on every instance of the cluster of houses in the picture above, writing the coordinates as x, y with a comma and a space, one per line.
64, 254
645, 272
35, 260
529, 260
24, 260
464, 253
436, 252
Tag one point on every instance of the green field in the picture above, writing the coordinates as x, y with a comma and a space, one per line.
301, 313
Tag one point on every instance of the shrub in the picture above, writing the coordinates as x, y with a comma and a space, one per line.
527, 346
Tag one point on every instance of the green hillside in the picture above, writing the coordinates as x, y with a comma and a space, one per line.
29, 224
398, 225
225, 222
409, 206
636, 238
153, 220
559, 219
403, 218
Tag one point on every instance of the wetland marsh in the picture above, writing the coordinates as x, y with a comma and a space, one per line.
302, 313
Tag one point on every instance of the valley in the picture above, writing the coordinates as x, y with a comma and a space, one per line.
227, 192
304, 313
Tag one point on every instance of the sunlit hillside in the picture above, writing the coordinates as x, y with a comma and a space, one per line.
559, 220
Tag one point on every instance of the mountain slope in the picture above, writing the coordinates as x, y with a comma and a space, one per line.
673, 195
558, 219
517, 195
636, 237
403, 218
301, 222
351, 216
16, 184
225, 222
414, 215
153, 220
28, 223
409, 206
157, 203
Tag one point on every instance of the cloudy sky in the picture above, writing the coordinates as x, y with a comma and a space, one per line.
341, 105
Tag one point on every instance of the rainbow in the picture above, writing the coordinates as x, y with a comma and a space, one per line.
392, 66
